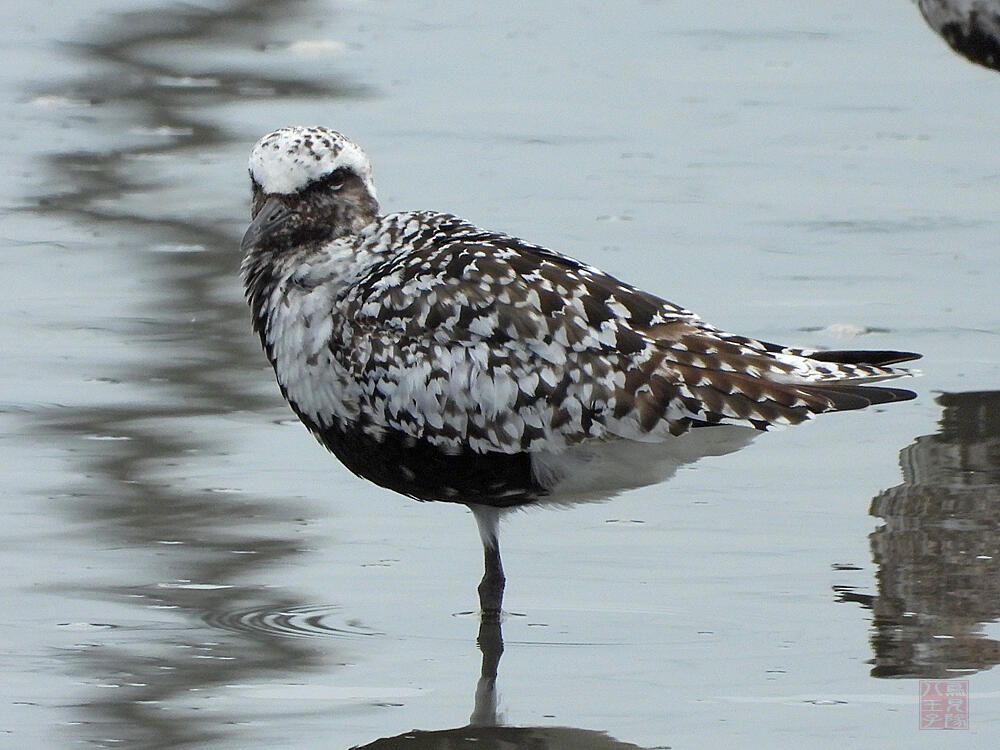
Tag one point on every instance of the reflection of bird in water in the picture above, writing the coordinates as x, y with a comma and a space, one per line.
484, 732
448, 362
501, 738
938, 552
971, 27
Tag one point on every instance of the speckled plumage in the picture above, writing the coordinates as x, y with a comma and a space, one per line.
422, 337
970, 27
447, 362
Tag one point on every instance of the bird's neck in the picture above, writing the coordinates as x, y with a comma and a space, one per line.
349, 217
276, 275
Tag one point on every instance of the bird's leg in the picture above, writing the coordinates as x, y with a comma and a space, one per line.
491, 587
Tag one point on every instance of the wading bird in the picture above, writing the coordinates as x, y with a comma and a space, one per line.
448, 362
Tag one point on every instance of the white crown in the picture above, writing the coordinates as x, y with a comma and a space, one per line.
289, 159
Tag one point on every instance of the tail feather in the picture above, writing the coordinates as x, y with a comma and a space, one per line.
849, 397
863, 357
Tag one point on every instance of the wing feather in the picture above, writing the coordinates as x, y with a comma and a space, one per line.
476, 338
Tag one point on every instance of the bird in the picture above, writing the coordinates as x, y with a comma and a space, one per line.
970, 27
452, 363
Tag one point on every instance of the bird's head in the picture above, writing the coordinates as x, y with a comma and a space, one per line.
308, 185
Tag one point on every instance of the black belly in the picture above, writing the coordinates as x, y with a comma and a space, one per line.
415, 468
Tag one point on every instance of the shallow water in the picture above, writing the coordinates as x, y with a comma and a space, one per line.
184, 567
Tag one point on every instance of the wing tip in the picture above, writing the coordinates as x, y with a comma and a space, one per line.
870, 357
850, 397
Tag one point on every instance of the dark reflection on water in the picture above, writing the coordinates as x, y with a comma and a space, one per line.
501, 738
484, 730
199, 545
938, 552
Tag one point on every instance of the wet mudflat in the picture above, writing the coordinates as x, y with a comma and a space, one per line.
183, 566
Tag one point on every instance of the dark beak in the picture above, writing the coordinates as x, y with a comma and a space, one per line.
271, 217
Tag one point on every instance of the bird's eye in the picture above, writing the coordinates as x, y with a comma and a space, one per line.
336, 180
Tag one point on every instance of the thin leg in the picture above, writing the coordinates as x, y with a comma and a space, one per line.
490, 600
491, 587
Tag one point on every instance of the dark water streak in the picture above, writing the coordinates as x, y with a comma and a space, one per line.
199, 347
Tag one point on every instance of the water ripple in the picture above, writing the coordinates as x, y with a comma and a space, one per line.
309, 621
